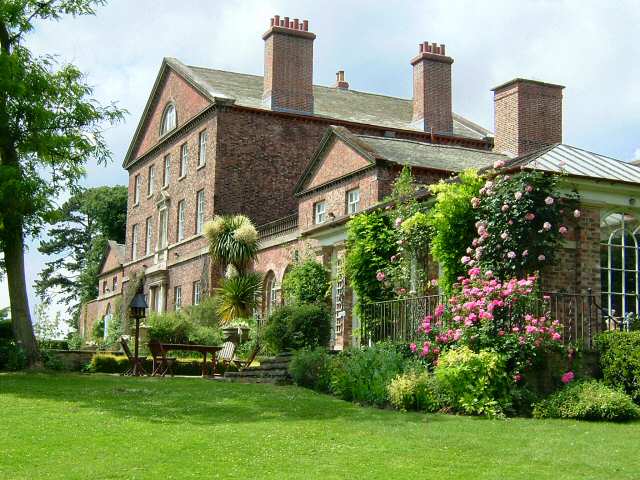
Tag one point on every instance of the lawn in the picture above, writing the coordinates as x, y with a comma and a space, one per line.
96, 427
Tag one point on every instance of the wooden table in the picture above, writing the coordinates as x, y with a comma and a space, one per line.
204, 349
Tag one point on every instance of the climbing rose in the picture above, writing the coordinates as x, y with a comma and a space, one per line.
541, 258
567, 377
529, 188
505, 208
546, 226
529, 216
563, 230
518, 195
465, 259
398, 221
475, 202
498, 164
549, 200
504, 235
577, 213
525, 253
413, 347
517, 377
380, 276
511, 255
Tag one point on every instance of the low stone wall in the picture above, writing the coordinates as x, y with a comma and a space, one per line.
76, 359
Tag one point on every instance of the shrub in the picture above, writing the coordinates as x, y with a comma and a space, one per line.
416, 390
620, 361
108, 363
588, 400
307, 282
476, 383
177, 327
362, 375
6, 331
238, 296
12, 357
311, 368
297, 326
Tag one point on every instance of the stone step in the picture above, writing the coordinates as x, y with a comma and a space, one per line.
265, 380
258, 373
271, 366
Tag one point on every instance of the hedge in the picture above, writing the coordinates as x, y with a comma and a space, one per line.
620, 361
108, 363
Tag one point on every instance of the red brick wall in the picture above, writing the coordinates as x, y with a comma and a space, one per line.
432, 92
339, 160
288, 69
335, 197
528, 116
187, 100
186, 188
387, 176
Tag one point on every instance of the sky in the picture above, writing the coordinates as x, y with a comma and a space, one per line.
590, 47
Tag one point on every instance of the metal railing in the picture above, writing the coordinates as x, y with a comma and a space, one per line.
580, 315
279, 227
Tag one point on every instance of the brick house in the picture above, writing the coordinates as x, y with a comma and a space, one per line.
299, 159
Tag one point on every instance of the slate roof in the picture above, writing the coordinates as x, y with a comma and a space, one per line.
579, 163
117, 248
445, 158
348, 105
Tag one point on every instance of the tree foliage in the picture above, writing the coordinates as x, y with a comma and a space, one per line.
306, 282
50, 126
78, 238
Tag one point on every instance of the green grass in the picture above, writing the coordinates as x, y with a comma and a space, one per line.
97, 426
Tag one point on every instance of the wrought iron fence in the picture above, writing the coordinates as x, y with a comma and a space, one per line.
580, 315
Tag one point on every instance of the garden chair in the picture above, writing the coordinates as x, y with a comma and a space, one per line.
225, 356
161, 363
133, 361
242, 364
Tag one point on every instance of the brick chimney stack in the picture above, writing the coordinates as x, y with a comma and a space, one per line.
340, 81
528, 116
432, 89
288, 66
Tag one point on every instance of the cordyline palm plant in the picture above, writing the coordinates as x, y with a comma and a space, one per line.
233, 246
233, 240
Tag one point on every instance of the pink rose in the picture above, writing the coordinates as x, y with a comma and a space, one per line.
577, 213
380, 276
567, 377
465, 260
498, 164
563, 230
475, 202
518, 195
541, 258
546, 226
549, 200
488, 274
511, 255
505, 208
398, 221
525, 253
528, 189
529, 216
517, 377
504, 235
413, 347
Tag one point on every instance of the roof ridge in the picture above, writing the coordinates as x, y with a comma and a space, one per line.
457, 147
596, 154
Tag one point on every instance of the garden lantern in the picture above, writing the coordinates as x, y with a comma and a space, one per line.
137, 311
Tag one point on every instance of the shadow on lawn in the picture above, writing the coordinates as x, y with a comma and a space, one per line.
195, 401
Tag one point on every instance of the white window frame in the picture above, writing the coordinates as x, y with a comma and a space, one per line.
151, 180
184, 160
320, 212
169, 119
148, 235
180, 229
202, 148
135, 234
163, 228
177, 297
166, 175
197, 292
136, 189
353, 201
199, 211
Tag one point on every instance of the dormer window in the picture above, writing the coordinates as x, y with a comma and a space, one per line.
168, 119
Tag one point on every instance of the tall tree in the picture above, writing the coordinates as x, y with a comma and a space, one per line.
50, 126
77, 240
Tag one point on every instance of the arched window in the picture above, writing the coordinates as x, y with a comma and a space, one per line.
270, 293
619, 267
168, 119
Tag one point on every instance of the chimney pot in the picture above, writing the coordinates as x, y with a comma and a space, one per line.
288, 66
432, 110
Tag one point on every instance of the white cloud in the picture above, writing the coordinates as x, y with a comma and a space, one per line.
585, 45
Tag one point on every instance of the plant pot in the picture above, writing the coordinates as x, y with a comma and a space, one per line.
235, 334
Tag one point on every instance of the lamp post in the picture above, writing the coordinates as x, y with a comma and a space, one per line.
137, 309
